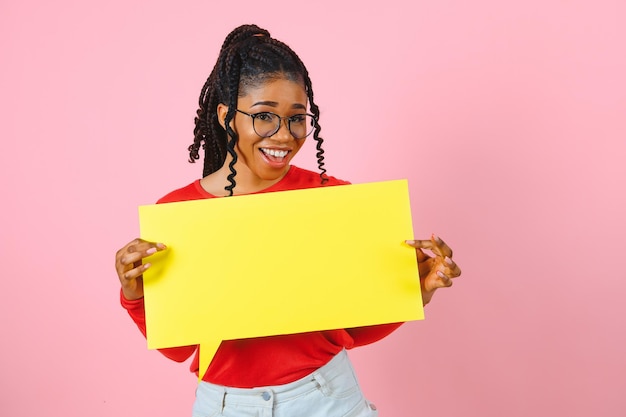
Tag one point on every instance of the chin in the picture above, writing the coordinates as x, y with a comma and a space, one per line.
269, 174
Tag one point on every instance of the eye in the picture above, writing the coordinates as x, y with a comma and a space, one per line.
264, 117
298, 118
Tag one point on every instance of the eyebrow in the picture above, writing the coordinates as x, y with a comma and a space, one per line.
275, 104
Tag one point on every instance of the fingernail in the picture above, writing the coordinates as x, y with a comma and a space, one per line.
146, 266
161, 246
448, 260
441, 275
151, 251
409, 242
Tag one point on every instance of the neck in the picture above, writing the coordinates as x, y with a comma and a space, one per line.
246, 182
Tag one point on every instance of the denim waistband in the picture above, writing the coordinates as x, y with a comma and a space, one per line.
273, 395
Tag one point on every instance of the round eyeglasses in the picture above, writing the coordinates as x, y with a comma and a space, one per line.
266, 124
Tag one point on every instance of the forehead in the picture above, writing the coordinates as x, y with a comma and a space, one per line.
280, 90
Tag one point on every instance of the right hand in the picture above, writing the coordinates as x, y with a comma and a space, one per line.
130, 267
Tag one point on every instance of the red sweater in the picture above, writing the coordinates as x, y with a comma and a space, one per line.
274, 360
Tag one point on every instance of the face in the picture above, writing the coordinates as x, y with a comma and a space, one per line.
264, 161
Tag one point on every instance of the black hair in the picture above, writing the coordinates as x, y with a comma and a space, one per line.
249, 57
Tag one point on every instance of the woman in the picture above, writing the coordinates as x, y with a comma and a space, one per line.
256, 110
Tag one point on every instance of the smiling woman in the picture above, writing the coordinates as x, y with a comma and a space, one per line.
265, 145
253, 74
256, 111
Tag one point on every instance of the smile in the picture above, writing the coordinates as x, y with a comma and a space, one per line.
275, 152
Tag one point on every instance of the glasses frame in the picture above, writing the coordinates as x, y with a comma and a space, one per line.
280, 121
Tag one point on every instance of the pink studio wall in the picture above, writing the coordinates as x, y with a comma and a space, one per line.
508, 119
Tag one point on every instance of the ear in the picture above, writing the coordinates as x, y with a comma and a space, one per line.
222, 109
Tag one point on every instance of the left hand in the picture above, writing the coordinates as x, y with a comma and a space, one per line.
435, 271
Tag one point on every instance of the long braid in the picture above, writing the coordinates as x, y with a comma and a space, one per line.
233, 68
208, 133
316, 134
248, 58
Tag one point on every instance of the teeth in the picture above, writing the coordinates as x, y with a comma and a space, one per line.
275, 152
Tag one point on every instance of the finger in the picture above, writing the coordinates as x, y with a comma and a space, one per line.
135, 273
140, 245
137, 250
435, 244
451, 268
440, 247
444, 279
130, 258
420, 244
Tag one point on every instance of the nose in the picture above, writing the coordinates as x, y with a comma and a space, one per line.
283, 134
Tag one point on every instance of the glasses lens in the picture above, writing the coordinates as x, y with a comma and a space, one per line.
266, 124
301, 125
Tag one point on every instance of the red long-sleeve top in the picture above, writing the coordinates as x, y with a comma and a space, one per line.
273, 360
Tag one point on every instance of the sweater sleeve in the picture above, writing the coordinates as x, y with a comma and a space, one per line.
137, 312
370, 334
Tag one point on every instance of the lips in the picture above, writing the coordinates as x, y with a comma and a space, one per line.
275, 153
275, 158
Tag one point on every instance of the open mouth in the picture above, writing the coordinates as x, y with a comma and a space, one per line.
274, 155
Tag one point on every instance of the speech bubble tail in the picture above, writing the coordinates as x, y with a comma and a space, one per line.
207, 351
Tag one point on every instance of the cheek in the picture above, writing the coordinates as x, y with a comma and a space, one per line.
299, 145
243, 128
246, 137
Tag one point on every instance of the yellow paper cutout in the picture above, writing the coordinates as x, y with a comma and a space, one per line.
279, 263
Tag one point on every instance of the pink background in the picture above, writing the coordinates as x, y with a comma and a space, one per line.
508, 119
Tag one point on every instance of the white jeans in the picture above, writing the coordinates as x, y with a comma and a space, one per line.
331, 391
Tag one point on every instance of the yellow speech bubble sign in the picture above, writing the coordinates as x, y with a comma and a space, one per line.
263, 264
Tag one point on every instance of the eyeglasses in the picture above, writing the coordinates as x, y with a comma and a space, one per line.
266, 124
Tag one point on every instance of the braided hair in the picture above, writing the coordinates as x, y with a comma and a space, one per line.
249, 57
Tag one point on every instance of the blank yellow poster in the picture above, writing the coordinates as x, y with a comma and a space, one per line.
279, 263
